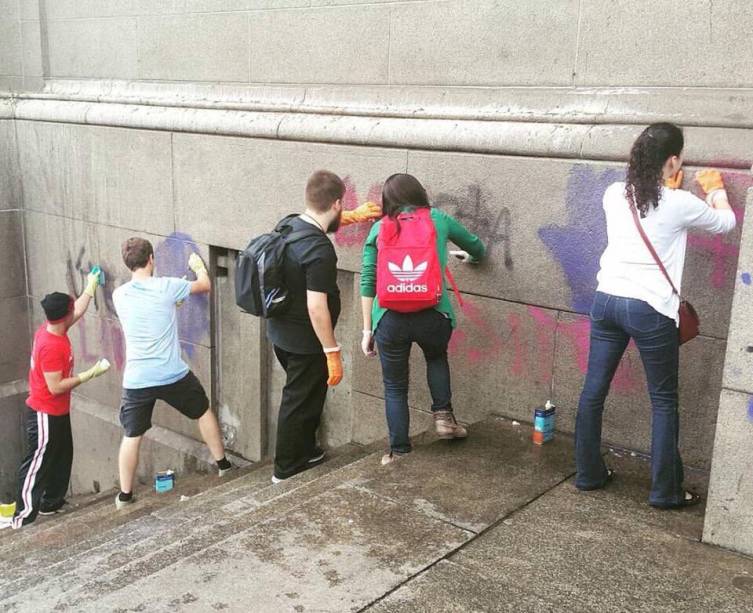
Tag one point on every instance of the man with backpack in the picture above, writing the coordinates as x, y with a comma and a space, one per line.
302, 310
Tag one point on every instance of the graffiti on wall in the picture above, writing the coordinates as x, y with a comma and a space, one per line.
485, 218
523, 341
106, 340
171, 260
578, 245
723, 250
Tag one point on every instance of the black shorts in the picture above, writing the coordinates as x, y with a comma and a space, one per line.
186, 395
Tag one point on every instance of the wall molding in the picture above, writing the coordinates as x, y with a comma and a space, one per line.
539, 122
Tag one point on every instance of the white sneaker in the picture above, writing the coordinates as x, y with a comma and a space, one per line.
6, 522
277, 480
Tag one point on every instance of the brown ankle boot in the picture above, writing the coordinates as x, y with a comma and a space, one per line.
447, 427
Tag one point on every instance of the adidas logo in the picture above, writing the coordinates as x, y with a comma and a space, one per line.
408, 272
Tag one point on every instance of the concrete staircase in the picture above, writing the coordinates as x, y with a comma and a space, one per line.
487, 524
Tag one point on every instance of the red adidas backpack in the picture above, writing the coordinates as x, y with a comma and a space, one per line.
409, 277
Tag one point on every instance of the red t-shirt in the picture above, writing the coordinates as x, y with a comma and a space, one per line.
50, 353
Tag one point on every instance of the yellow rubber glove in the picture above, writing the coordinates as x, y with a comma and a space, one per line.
334, 365
709, 179
100, 368
92, 281
368, 211
674, 182
196, 264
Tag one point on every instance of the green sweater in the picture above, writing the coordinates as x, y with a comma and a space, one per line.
448, 228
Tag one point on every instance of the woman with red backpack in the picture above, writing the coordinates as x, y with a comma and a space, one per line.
404, 299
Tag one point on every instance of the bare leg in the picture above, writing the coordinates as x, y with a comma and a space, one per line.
128, 460
210, 432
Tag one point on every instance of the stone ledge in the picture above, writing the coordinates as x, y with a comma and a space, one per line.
538, 122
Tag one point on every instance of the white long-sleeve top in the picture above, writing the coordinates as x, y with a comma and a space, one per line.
627, 267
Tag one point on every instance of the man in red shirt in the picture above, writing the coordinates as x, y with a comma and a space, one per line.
45, 472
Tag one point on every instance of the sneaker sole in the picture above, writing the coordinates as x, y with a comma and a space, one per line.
447, 437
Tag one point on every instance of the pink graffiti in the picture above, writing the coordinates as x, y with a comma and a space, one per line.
355, 234
460, 343
577, 334
111, 343
724, 250
723, 254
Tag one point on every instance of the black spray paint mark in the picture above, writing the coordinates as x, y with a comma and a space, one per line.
76, 272
491, 223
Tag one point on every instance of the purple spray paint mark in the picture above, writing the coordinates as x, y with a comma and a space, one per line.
746, 278
750, 410
193, 317
579, 245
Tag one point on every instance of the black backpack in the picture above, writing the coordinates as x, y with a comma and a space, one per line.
260, 287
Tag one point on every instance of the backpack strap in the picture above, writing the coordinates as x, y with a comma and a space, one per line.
651, 249
451, 279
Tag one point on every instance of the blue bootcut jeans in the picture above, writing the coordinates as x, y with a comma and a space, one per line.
614, 321
395, 335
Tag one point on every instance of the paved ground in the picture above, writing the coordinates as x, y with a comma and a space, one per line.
489, 524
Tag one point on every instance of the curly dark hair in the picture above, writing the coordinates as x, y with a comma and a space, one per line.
651, 150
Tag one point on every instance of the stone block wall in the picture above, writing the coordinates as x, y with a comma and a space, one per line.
14, 313
195, 123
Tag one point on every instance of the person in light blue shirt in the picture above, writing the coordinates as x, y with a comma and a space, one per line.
155, 370
146, 308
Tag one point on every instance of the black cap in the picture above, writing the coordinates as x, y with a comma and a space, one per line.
56, 306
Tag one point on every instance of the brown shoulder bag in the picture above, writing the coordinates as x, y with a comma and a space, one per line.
689, 320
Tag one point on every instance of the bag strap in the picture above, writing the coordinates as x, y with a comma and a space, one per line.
648, 244
451, 279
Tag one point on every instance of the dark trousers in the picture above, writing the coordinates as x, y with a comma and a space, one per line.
300, 410
395, 335
614, 321
46, 470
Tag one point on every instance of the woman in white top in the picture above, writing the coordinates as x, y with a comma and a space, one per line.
635, 300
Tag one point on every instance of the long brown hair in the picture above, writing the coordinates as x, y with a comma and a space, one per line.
651, 150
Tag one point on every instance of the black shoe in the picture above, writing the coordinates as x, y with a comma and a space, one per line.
318, 456
690, 500
52, 510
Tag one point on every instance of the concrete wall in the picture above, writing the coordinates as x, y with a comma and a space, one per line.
196, 123
14, 331
729, 514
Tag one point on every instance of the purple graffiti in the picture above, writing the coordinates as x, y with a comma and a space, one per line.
746, 278
578, 245
193, 317
750, 410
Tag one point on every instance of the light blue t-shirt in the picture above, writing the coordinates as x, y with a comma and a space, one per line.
147, 312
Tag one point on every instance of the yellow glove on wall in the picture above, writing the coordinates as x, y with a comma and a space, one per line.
368, 211
196, 264
674, 182
709, 180
100, 368
334, 365
92, 280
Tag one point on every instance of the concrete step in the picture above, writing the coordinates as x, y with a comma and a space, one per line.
106, 539
55, 532
334, 538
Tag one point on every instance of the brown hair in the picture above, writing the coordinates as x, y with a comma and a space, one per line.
322, 189
136, 252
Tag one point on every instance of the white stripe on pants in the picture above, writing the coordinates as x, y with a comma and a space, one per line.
43, 436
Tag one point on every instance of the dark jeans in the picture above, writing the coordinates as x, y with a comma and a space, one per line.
300, 410
395, 334
614, 321
45, 472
